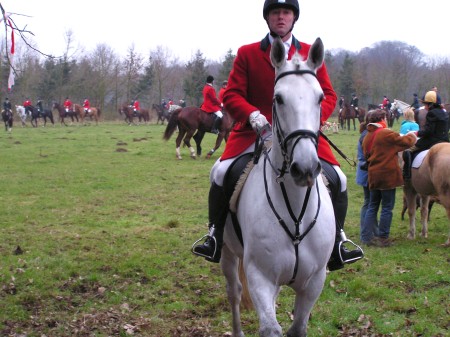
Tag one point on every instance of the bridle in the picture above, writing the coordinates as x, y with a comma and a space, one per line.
283, 140
296, 135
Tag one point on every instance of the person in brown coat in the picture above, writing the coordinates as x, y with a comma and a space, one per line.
381, 147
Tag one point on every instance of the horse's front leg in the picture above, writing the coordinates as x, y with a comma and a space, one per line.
198, 137
219, 139
304, 302
230, 265
264, 293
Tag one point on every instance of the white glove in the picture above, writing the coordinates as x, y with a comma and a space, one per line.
258, 121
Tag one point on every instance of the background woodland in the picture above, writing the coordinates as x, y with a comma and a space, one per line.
390, 68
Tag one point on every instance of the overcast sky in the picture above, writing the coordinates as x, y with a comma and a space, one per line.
215, 26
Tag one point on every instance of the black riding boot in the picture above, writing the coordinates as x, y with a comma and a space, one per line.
407, 161
216, 125
211, 249
340, 254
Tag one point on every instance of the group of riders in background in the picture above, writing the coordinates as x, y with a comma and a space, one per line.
169, 106
386, 105
28, 105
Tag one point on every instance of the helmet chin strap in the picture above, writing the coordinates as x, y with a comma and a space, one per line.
272, 33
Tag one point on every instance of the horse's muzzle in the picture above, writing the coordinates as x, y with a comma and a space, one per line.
303, 173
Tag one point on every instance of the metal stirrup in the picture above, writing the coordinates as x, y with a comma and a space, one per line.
210, 236
345, 240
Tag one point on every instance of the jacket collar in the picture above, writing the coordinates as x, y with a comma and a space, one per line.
265, 43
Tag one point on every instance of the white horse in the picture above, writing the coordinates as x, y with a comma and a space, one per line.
400, 106
284, 209
20, 110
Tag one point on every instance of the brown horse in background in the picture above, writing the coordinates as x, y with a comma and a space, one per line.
361, 114
347, 114
63, 113
129, 113
432, 178
93, 113
193, 120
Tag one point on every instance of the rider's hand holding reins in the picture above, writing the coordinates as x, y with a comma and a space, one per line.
260, 124
258, 121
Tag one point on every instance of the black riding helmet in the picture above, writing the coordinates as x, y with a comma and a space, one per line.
271, 4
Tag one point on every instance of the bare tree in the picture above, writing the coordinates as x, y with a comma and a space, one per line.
132, 68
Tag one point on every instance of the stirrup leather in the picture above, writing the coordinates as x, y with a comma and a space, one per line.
344, 239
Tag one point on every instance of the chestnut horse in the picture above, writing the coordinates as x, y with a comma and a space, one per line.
93, 113
347, 113
64, 114
192, 119
431, 178
129, 113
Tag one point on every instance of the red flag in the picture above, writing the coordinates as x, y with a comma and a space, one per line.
11, 59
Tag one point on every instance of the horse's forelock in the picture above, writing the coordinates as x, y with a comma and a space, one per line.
297, 60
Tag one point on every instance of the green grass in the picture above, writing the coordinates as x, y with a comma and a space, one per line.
105, 216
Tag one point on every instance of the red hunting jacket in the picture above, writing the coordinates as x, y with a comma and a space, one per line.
246, 94
210, 101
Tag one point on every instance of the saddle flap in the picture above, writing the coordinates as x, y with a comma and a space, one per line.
418, 159
234, 172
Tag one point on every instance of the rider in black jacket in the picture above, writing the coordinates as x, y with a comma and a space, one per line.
435, 130
7, 104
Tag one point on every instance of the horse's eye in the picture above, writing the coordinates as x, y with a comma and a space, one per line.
278, 99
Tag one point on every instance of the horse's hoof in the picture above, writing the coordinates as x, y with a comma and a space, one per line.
411, 237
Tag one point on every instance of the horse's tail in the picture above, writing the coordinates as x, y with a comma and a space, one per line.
245, 298
120, 111
171, 124
99, 112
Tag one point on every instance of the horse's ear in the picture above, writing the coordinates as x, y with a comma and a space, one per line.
316, 54
277, 53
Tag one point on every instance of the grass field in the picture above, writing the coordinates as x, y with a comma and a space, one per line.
96, 227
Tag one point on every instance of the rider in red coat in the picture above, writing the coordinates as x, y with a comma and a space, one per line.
27, 103
211, 104
136, 106
248, 99
86, 105
68, 104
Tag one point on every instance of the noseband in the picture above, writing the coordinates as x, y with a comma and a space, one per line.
297, 135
